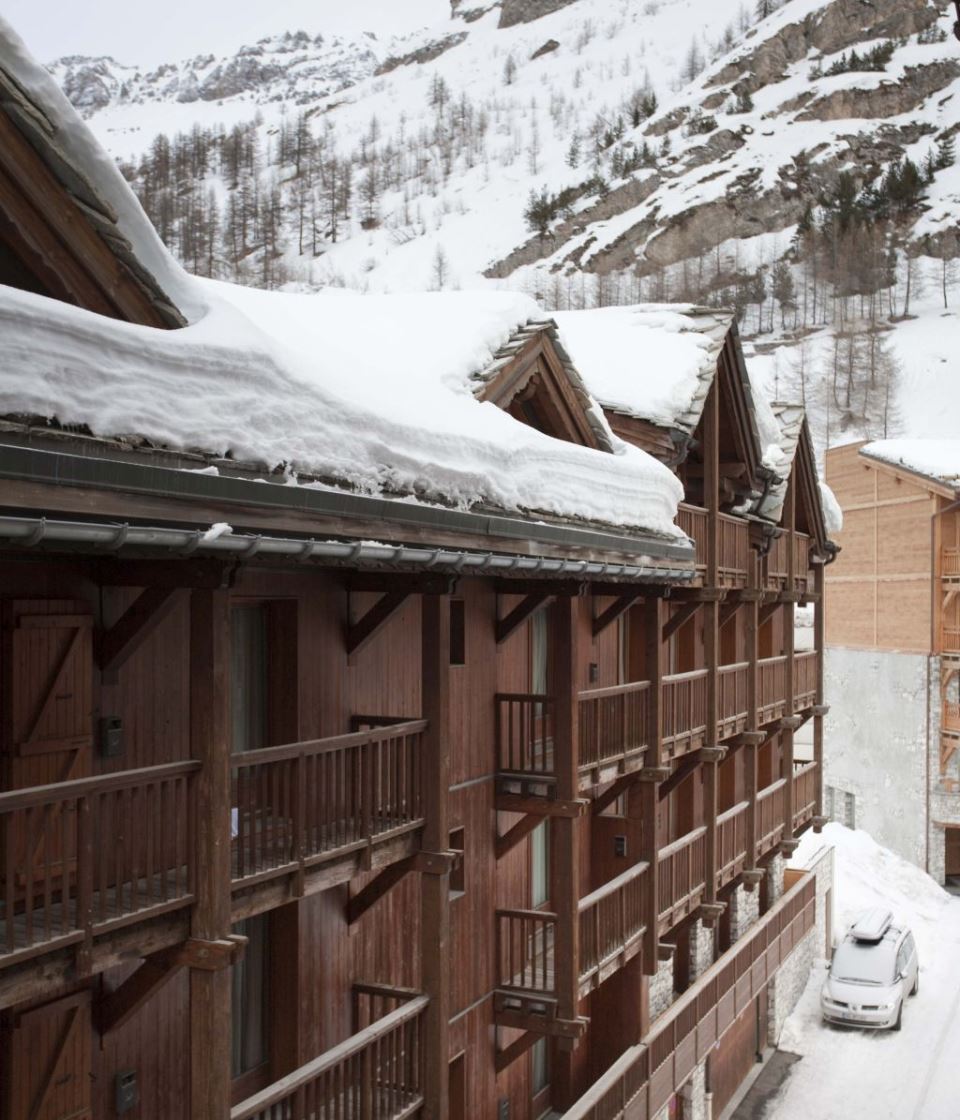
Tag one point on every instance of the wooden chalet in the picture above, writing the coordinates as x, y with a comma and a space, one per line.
895, 603
371, 808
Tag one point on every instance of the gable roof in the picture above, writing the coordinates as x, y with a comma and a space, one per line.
934, 461
790, 419
78, 210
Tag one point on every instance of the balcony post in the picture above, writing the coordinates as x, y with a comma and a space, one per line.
565, 845
435, 944
752, 609
711, 629
789, 648
818, 715
653, 619
210, 1012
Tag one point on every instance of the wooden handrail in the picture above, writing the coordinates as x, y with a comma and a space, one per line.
366, 989
692, 675
613, 690
683, 842
99, 783
771, 789
357, 1043
327, 746
612, 887
546, 915
730, 813
734, 667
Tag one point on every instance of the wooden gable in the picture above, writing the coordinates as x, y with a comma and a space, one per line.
535, 386
58, 237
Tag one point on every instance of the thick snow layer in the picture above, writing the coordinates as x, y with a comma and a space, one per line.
847, 1074
94, 164
372, 393
652, 361
832, 513
938, 459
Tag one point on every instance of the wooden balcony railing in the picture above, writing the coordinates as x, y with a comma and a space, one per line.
733, 551
772, 689
950, 563
614, 724
733, 685
770, 816
612, 923
950, 637
802, 575
731, 842
524, 735
804, 793
682, 876
684, 710
951, 717
805, 680
299, 805
642, 1081
525, 951
85, 857
694, 522
377, 1074
777, 568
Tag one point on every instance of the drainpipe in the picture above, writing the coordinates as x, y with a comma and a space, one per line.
935, 606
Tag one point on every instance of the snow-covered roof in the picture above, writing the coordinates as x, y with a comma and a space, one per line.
935, 459
374, 393
655, 362
33, 99
780, 445
832, 513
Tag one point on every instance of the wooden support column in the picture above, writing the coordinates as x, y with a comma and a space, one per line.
711, 627
818, 715
752, 608
210, 1031
565, 847
435, 946
789, 644
654, 614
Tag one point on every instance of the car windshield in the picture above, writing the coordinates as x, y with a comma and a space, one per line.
863, 962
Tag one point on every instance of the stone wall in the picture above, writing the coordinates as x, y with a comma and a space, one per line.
744, 911
702, 945
661, 989
876, 743
772, 885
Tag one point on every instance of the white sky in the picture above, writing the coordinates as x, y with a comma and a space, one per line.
146, 34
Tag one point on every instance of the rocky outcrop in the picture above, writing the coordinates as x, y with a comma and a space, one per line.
526, 11
548, 47
425, 53
834, 28
460, 10
887, 99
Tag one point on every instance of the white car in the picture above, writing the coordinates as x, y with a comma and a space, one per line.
872, 971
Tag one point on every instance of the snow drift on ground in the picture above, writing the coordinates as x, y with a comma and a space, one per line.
849, 1074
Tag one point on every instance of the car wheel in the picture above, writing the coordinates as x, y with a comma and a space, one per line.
899, 1023
916, 984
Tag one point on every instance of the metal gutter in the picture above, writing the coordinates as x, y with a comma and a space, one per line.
34, 465
30, 533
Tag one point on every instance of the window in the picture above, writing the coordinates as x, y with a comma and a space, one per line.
539, 1066
458, 632
248, 677
458, 877
540, 865
250, 999
538, 653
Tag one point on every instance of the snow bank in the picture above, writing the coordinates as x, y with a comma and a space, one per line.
832, 513
938, 459
371, 393
652, 361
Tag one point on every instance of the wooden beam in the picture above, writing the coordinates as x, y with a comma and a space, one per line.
613, 791
135, 625
616, 609
371, 894
549, 587
384, 583
680, 618
729, 611
684, 769
541, 806
550, 1025
210, 1007
200, 572
505, 1058
512, 837
767, 611
520, 613
365, 629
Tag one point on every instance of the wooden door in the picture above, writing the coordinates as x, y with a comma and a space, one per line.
46, 1065
735, 1054
46, 717
952, 841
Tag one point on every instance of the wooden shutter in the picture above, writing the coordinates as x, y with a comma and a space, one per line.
953, 851
47, 1074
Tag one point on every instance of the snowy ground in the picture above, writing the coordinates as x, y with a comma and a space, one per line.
850, 1074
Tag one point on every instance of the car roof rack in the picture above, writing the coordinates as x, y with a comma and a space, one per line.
872, 924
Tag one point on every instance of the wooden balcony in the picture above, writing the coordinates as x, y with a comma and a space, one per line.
770, 816
642, 1081
86, 858
309, 815
526, 941
779, 563
804, 794
950, 719
733, 560
950, 565
733, 685
772, 689
614, 730
684, 711
682, 877
613, 920
376, 1074
731, 843
524, 740
804, 681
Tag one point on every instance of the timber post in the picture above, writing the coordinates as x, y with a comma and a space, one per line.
789, 648
752, 608
210, 1011
818, 714
653, 618
711, 629
435, 945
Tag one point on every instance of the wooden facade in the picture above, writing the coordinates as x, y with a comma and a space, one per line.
288, 836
